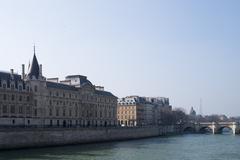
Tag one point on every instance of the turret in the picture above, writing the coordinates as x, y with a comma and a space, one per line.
35, 70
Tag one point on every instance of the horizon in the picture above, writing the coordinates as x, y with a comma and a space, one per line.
185, 51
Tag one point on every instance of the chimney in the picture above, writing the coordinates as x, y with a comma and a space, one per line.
40, 70
12, 71
23, 71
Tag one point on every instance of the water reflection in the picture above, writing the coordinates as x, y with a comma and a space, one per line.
185, 147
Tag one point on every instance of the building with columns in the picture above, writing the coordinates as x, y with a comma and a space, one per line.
33, 100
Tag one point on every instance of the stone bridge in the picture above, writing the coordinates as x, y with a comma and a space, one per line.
214, 127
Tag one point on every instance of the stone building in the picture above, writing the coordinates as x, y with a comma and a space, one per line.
141, 111
32, 100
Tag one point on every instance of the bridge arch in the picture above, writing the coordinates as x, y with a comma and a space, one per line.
220, 129
205, 129
189, 129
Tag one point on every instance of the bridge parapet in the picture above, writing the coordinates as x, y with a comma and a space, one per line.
215, 127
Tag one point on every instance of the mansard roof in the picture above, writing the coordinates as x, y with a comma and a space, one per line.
104, 93
34, 69
8, 77
60, 86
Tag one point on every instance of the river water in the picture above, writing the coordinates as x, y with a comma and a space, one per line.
184, 147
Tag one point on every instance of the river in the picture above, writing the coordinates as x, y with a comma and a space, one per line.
184, 147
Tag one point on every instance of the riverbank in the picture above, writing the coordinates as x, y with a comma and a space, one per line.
11, 138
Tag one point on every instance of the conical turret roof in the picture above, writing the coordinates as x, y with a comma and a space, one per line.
34, 69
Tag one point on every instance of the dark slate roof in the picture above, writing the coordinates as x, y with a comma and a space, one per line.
10, 77
85, 81
34, 70
60, 86
104, 93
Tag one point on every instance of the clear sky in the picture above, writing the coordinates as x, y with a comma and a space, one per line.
183, 49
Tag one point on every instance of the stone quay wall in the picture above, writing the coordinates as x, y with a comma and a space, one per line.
11, 138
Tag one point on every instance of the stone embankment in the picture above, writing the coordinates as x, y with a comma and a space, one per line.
11, 138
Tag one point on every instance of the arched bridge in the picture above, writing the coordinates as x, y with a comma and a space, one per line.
214, 127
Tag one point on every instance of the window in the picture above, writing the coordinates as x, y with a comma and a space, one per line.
12, 109
4, 97
28, 110
95, 113
28, 98
70, 112
35, 102
4, 109
12, 86
64, 113
20, 98
13, 97
20, 109
20, 88
4, 85
76, 113
35, 88
50, 112
57, 112
35, 112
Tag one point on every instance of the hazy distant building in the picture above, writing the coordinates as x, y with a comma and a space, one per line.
192, 112
32, 100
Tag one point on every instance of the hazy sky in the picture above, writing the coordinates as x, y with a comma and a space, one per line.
183, 49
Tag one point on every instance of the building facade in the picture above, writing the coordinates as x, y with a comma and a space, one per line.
32, 100
141, 111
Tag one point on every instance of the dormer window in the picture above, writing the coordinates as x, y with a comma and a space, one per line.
20, 88
4, 85
12, 86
